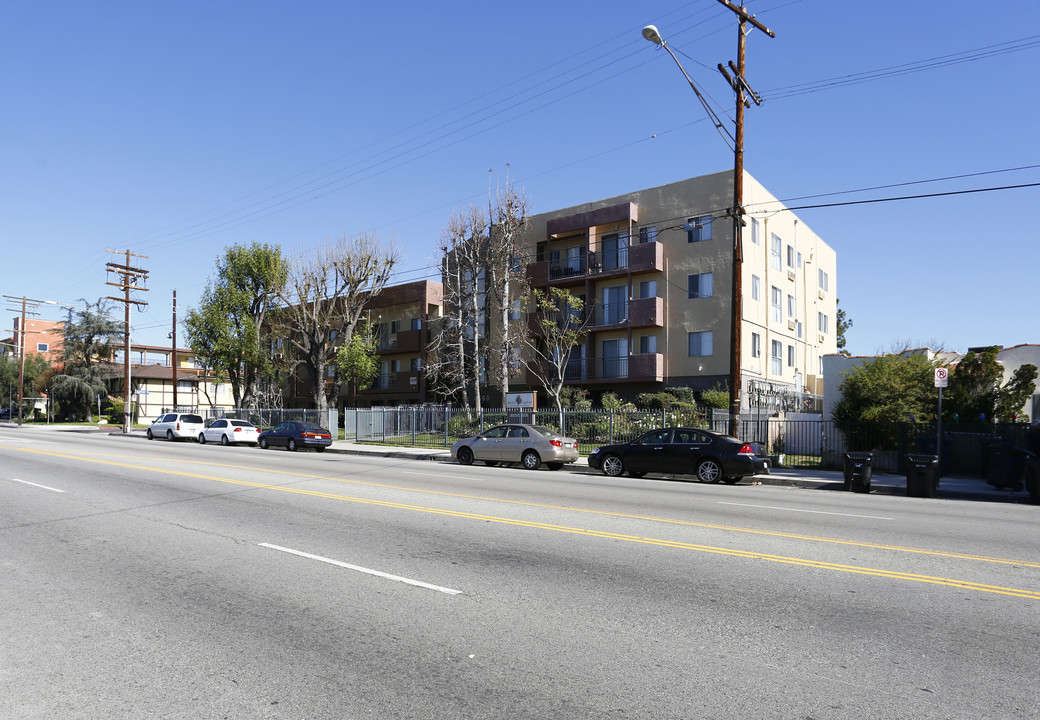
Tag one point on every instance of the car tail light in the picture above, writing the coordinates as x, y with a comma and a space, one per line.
556, 443
178, 427
746, 449
238, 429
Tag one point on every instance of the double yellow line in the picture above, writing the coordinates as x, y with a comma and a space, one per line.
747, 554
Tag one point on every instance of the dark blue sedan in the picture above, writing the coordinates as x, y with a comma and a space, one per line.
294, 435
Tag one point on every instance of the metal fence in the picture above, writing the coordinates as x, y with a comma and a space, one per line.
795, 440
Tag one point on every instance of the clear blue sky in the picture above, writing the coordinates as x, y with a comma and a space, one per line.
177, 129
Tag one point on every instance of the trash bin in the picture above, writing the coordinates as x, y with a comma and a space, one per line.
1007, 465
922, 475
857, 471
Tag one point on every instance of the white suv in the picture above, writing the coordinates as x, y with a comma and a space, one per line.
176, 426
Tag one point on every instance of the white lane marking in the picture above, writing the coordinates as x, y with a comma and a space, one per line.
816, 512
452, 477
377, 573
26, 482
22, 439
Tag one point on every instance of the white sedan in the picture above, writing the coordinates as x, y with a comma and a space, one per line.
229, 432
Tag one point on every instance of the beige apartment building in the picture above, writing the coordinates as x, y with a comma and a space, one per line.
654, 269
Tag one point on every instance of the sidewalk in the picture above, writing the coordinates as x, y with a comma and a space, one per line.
950, 488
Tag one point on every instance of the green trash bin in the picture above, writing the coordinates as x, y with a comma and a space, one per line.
922, 475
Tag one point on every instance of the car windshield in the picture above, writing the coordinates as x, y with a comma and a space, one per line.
240, 423
191, 419
312, 428
544, 431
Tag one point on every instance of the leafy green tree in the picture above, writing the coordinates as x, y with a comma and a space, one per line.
36, 368
842, 323
88, 334
358, 360
975, 391
888, 389
226, 331
560, 324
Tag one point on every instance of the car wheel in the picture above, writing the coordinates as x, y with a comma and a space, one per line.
709, 471
731, 480
262, 442
613, 466
531, 460
224, 441
202, 438
636, 474
169, 435
491, 463
319, 449
554, 466
148, 434
464, 456
291, 445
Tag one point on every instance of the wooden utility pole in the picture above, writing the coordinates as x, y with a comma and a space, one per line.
21, 346
173, 360
740, 86
131, 278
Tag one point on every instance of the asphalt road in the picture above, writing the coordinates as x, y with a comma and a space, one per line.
157, 580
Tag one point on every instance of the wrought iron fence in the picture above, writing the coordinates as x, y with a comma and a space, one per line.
804, 441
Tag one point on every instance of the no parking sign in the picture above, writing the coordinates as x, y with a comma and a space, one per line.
942, 377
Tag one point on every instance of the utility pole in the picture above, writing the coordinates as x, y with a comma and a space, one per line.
21, 345
740, 86
129, 278
173, 360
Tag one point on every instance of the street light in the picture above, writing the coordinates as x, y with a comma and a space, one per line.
739, 85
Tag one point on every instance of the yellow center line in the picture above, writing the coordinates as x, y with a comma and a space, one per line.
748, 554
588, 511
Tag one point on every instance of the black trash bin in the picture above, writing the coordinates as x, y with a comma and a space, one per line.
1007, 466
922, 475
857, 471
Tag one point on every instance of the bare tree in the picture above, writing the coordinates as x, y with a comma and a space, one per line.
322, 301
506, 281
560, 323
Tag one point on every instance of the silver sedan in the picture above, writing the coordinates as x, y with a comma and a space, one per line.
530, 445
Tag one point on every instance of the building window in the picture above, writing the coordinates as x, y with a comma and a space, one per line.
775, 300
790, 306
415, 364
756, 287
416, 323
698, 229
798, 327
648, 289
774, 251
756, 345
647, 344
647, 234
701, 343
777, 358
42, 347
699, 285
395, 327
756, 235
821, 322
790, 356
824, 281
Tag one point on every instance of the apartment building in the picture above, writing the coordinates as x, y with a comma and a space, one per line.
654, 269
42, 337
401, 316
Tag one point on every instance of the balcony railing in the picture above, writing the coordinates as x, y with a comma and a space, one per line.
633, 368
645, 257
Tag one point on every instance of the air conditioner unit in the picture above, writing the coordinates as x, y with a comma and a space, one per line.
790, 275
821, 293
790, 324
822, 337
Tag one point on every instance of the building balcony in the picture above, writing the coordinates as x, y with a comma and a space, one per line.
406, 381
642, 368
405, 341
645, 257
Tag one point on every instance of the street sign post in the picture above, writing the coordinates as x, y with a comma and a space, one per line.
942, 379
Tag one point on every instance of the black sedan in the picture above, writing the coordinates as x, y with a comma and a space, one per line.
294, 435
683, 451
